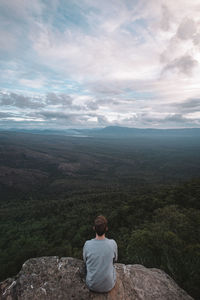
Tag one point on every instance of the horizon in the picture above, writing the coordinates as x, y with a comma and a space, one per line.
91, 64
99, 129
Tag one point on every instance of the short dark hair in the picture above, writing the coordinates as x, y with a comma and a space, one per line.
100, 225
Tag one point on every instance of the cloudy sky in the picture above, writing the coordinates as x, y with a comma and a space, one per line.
91, 63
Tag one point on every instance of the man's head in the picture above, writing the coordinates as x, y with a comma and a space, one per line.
100, 225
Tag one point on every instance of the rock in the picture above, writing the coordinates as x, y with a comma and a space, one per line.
51, 278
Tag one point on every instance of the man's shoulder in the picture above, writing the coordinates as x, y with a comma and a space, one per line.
88, 242
113, 242
94, 241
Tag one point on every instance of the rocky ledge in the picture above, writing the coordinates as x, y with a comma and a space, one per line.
51, 278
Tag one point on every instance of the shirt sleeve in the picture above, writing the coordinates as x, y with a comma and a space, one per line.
84, 253
115, 251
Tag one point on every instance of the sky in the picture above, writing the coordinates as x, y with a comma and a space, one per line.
90, 63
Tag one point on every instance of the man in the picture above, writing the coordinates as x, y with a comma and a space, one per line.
99, 254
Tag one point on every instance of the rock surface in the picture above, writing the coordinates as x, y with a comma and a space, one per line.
53, 278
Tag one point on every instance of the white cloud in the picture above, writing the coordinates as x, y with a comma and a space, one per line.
33, 83
129, 59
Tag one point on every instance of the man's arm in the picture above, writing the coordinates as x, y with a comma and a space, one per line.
84, 253
115, 251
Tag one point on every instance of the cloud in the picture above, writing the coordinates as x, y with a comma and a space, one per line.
17, 20
20, 101
5, 115
186, 29
60, 99
74, 119
172, 120
182, 120
184, 64
57, 115
166, 18
32, 83
103, 121
96, 63
107, 87
92, 105
175, 118
189, 105
196, 39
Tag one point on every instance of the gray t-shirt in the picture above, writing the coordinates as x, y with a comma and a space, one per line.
99, 256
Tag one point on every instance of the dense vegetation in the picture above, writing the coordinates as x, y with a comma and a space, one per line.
53, 187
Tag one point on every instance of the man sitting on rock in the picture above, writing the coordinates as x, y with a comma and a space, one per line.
99, 254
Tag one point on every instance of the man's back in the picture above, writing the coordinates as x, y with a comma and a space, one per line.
99, 256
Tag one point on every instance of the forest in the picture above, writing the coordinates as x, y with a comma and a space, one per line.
53, 186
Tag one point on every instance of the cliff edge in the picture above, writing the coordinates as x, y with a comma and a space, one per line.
51, 278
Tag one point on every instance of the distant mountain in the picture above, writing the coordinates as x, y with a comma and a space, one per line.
149, 131
115, 131
123, 132
43, 131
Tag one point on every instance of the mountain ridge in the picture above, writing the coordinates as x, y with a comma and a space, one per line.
115, 131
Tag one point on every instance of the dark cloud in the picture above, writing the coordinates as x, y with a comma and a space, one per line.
66, 101
171, 120
102, 121
196, 39
184, 64
18, 100
176, 118
186, 29
4, 115
21, 101
58, 99
68, 119
96, 103
92, 105
191, 103
165, 19
74, 119
188, 106
53, 115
